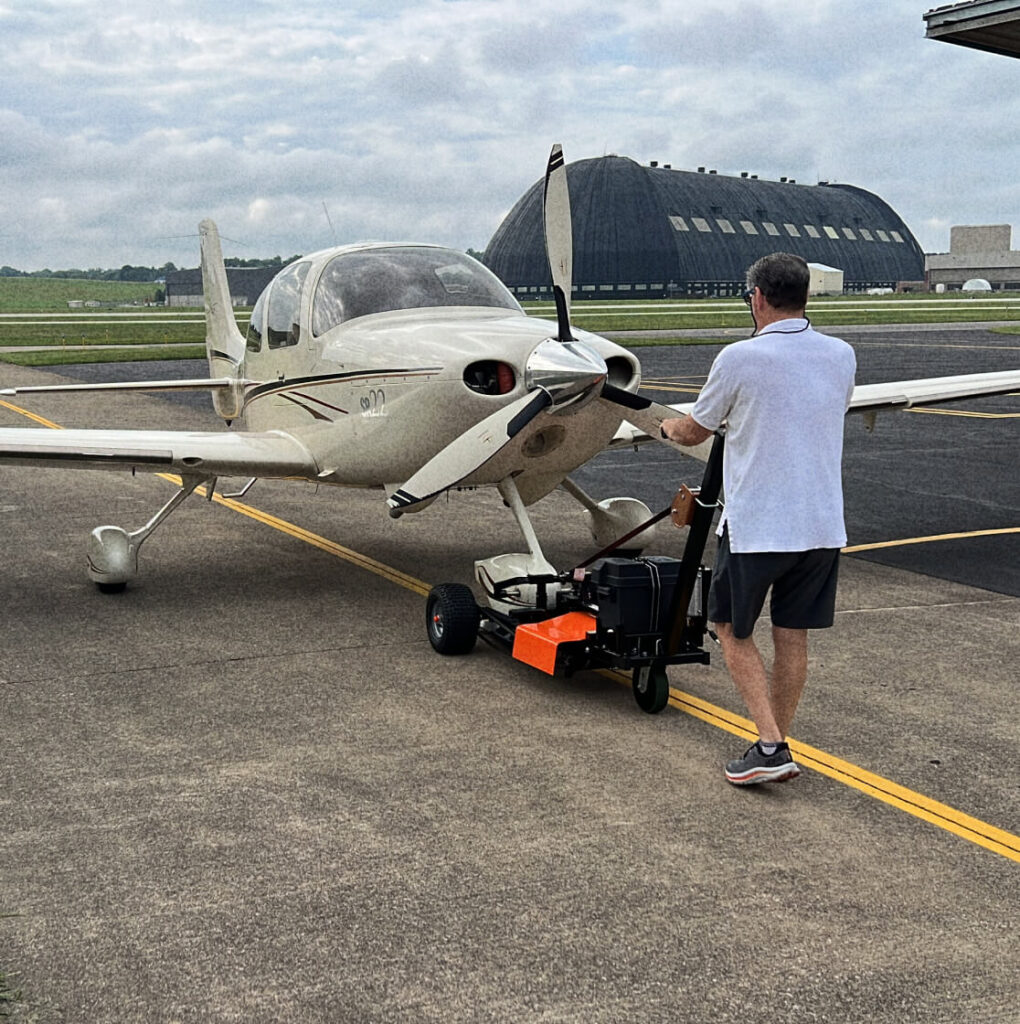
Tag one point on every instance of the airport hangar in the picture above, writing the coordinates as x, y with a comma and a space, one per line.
655, 232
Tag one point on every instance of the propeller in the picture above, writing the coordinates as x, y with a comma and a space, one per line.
560, 372
645, 414
559, 238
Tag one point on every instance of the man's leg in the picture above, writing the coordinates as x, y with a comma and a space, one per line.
789, 673
745, 664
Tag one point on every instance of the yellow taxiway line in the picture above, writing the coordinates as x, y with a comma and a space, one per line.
853, 549
917, 804
976, 831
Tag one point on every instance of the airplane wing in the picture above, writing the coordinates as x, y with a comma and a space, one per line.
873, 398
227, 453
904, 394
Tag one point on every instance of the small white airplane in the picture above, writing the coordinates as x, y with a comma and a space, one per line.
408, 368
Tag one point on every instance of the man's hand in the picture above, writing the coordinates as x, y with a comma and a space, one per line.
685, 430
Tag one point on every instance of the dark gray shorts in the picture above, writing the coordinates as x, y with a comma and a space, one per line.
803, 588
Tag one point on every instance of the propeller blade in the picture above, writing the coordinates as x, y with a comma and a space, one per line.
468, 452
641, 411
559, 239
647, 415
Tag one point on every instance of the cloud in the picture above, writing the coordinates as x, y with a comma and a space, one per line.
429, 119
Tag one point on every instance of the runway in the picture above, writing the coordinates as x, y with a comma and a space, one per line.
246, 789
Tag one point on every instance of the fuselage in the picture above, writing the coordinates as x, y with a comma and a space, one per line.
378, 356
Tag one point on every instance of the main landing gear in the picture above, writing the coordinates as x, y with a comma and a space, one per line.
112, 558
641, 614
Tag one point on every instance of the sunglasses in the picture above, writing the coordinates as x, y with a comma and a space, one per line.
746, 295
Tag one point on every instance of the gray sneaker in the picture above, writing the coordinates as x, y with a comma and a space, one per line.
755, 767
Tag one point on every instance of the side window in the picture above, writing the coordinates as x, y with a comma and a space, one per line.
283, 325
253, 336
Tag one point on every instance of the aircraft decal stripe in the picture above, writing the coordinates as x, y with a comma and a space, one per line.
319, 401
314, 413
275, 387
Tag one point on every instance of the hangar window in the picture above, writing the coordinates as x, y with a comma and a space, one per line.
701, 224
830, 231
377, 280
679, 223
749, 227
587, 287
791, 230
883, 235
623, 287
866, 234
725, 226
607, 287
850, 234
640, 287
812, 231
283, 319
770, 228
897, 237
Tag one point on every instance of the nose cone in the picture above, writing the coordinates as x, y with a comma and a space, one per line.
564, 370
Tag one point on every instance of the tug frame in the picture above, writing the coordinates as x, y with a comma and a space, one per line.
640, 614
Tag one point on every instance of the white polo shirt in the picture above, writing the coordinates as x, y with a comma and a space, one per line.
783, 395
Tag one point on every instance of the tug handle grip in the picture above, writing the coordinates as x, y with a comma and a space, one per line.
690, 563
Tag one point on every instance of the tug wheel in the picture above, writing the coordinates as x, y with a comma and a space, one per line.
452, 618
651, 688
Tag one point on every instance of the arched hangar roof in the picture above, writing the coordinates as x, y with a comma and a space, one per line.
659, 230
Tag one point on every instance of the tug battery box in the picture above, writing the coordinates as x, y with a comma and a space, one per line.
634, 596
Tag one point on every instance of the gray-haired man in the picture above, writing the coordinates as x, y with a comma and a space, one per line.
782, 394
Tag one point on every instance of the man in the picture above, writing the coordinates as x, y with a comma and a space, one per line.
782, 395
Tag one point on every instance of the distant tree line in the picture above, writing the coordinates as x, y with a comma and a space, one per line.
130, 273
150, 274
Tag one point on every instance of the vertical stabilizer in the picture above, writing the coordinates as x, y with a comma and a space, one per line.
224, 343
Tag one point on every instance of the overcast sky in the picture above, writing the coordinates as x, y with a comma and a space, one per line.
122, 126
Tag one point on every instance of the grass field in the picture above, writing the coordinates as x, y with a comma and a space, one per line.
121, 333
138, 329
120, 354
694, 314
39, 294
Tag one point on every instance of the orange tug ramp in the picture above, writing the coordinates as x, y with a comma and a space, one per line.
537, 643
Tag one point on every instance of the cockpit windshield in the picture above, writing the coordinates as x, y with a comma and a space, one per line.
367, 281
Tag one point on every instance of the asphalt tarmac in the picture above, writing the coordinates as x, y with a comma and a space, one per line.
247, 790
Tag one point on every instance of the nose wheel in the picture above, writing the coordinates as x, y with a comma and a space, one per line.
452, 618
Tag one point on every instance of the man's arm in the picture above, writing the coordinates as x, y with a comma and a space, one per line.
686, 430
